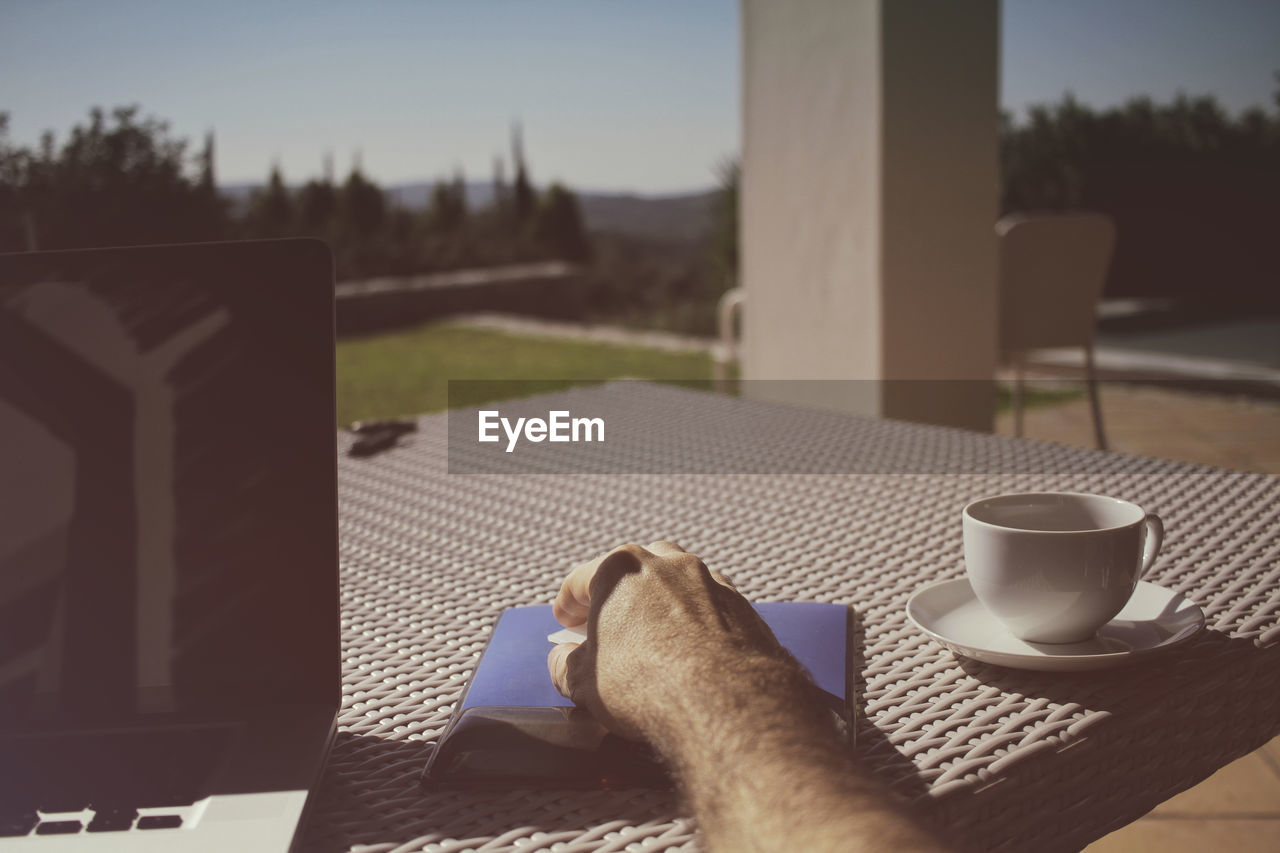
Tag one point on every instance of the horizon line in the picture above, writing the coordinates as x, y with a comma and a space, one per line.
709, 187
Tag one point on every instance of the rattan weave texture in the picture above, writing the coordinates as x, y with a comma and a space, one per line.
1000, 759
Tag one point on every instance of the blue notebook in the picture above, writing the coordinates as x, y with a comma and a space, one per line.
513, 729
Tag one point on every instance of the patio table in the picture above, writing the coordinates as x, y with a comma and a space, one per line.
999, 759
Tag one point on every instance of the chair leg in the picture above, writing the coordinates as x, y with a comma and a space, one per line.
1091, 377
1017, 396
719, 371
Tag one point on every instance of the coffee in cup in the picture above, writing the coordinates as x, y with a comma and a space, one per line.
1055, 567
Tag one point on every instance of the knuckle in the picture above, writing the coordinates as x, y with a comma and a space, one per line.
723, 579
577, 674
564, 675
689, 564
621, 561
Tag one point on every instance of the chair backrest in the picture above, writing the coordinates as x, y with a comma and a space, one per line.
1052, 269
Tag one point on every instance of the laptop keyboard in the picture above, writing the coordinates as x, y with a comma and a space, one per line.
105, 782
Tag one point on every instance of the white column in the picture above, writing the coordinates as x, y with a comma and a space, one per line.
870, 182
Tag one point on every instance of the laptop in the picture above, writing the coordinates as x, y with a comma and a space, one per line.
169, 639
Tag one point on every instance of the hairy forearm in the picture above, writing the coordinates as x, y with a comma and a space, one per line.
760, 762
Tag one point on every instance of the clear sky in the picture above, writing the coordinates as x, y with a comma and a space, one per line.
630, 94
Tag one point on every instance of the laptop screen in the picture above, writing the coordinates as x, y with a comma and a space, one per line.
168, 519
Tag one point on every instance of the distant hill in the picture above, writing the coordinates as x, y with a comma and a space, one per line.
683, 217
417, 195
672, 217
238, 194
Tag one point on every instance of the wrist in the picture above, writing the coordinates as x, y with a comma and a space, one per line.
757, 756
739, 704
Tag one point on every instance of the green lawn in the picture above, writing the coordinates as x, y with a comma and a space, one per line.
407, 372
1039, 395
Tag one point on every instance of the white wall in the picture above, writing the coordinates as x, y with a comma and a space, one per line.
868, 201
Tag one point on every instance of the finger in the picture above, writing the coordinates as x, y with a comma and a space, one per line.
573, 603
723, 580
558, 665
666, 548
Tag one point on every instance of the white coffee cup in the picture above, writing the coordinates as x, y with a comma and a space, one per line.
1055, 567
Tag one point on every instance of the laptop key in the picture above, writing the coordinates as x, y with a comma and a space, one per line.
13, 824
114, 769
59, 827
160, 821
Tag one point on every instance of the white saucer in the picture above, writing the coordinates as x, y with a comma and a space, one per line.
1155, 618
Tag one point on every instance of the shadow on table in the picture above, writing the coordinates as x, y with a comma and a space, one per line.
370, 796
1153, 729
873, 749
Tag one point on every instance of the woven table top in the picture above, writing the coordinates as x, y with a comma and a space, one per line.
1000, 759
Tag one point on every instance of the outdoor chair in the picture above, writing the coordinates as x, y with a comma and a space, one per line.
725, 352
1052, 268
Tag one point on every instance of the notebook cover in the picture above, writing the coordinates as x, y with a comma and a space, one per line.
513, 728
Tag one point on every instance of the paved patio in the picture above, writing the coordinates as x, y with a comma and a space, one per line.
1237, 432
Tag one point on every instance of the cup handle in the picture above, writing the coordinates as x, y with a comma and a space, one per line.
1153, 539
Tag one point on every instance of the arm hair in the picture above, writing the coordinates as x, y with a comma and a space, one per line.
759, 760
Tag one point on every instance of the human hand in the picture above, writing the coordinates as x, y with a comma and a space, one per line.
674, 655
661, 627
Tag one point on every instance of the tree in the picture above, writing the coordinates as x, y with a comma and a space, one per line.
448, 211
271, 210
501, 193
1194, 191
208, 182
317, 208
724, 224
14, 231
523, 199
557, 225
117, 180
362, 206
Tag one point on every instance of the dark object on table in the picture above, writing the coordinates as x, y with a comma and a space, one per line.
376, 436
